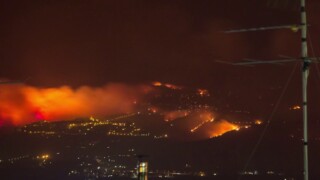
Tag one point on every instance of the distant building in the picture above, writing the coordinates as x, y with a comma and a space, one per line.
143, 170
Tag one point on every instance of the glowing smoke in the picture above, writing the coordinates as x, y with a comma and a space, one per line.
173, 115
22, 104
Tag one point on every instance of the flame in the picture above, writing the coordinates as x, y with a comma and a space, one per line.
21, 104
222, 127
157, 84
201, 124
203, 92
206, 118
258, 122
295, 107
172, 86
167, 85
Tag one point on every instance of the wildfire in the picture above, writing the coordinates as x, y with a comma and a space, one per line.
296, 107
201, 124
203, 92
167, 85
22, 104
172, 86
157, 84
257, 122
222, 127
204, 117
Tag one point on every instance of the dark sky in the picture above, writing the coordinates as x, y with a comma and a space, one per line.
50, 43
94, 42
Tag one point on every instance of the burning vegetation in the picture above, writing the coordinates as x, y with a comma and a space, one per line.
222, 127
167, 85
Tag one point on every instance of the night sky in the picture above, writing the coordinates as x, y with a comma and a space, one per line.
101, 58
51, 43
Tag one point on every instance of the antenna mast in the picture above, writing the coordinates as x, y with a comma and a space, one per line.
305, 73
306, 61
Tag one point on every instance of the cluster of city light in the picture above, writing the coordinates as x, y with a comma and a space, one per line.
115, 133
161, 136
95, 122
43, 157
73, 172
124, 155
120, 167
85, 124
248, 123
116, 128
256, 172
126, 130
12, 160
104, 166
177, 173
249, 173
40, 132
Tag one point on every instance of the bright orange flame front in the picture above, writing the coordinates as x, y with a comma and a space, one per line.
222, 127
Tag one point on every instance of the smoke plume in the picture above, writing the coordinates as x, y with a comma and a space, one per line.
22, 104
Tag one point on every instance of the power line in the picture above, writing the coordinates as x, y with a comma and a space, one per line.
269, 119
